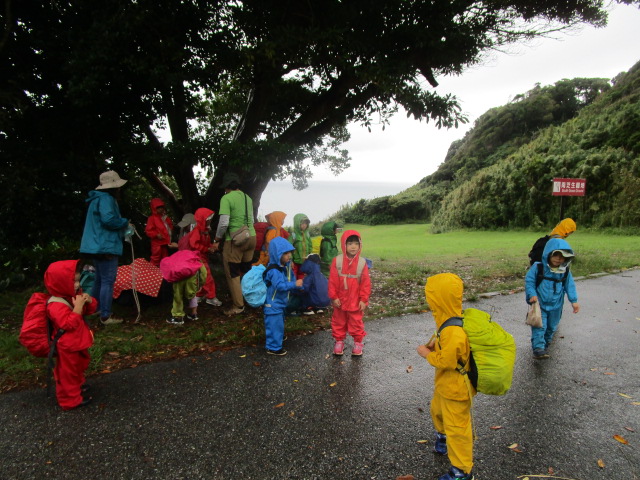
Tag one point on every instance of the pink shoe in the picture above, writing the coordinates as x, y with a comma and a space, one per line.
338, 347
357, 349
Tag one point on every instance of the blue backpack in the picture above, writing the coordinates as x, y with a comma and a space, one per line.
254, 290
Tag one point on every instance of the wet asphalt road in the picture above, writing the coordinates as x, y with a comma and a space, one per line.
309, 415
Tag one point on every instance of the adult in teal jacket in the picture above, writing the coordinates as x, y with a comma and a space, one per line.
556, 281
102, 240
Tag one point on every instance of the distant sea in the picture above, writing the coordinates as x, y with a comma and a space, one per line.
322, 198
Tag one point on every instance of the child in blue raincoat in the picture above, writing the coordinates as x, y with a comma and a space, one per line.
280, 280
547, 282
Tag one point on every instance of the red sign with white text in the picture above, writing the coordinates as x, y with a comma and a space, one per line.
569, 187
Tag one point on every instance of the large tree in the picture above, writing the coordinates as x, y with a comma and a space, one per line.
260, 87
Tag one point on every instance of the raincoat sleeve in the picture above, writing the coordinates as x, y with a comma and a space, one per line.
530, 282
279, 281
365, 286
452, 348
151, 230
110, 216
572, 293
334, 281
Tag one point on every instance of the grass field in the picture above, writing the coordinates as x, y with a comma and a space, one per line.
403, 257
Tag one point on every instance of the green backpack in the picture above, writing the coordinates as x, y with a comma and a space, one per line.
493, 352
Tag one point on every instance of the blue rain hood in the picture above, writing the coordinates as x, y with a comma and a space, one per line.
278, 247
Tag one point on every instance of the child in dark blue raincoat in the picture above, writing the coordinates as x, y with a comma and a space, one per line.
548, 290
315, 285
280, 280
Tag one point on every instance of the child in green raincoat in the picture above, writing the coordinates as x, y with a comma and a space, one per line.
301, 241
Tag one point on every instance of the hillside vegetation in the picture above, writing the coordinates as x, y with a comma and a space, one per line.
499, 174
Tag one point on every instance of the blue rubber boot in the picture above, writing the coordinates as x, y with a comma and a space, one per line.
456, 474
440, 446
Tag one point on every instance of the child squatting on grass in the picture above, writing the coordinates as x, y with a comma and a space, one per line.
549, 292
451, 402
280, 280
349, 290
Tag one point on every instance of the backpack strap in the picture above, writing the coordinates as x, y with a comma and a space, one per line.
540, 276
359, 269
456, 322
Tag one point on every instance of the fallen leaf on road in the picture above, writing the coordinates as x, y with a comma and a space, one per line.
513, 445
280, 405
635, 403
114, 354
621, 439
256, 364
243, 356
333, 384
609, 373
624, 395
409, 369
496, 427
629, 429
551, 471
423, 441
601, 463
406, 477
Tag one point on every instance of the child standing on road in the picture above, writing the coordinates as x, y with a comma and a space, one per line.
451, 402
159, 229
546, 283
62, 280
301, 241
349, 290
280, 281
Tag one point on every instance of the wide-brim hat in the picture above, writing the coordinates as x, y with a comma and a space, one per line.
230, 178
187, 219
110, 179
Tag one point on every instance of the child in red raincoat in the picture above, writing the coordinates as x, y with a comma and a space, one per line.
62, 279
159, 228
200, 241
349, 290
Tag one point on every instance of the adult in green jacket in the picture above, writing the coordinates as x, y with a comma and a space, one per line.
328, 246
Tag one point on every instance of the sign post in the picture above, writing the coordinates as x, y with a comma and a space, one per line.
568, 187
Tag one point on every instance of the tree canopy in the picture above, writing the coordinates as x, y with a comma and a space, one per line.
263, 88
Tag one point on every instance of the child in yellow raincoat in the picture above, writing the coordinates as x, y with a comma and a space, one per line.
451, 402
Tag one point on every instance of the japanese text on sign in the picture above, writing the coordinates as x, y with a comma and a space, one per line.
575, 187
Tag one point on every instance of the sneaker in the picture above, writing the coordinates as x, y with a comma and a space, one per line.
112, 320
214, 301
456, 474
318, 311
192, 318
280, 352
540, 354
175, 321
440, 445
233, 311
357, 349
338, 347
309, 311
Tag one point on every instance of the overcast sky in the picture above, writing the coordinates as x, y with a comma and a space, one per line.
408, 150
